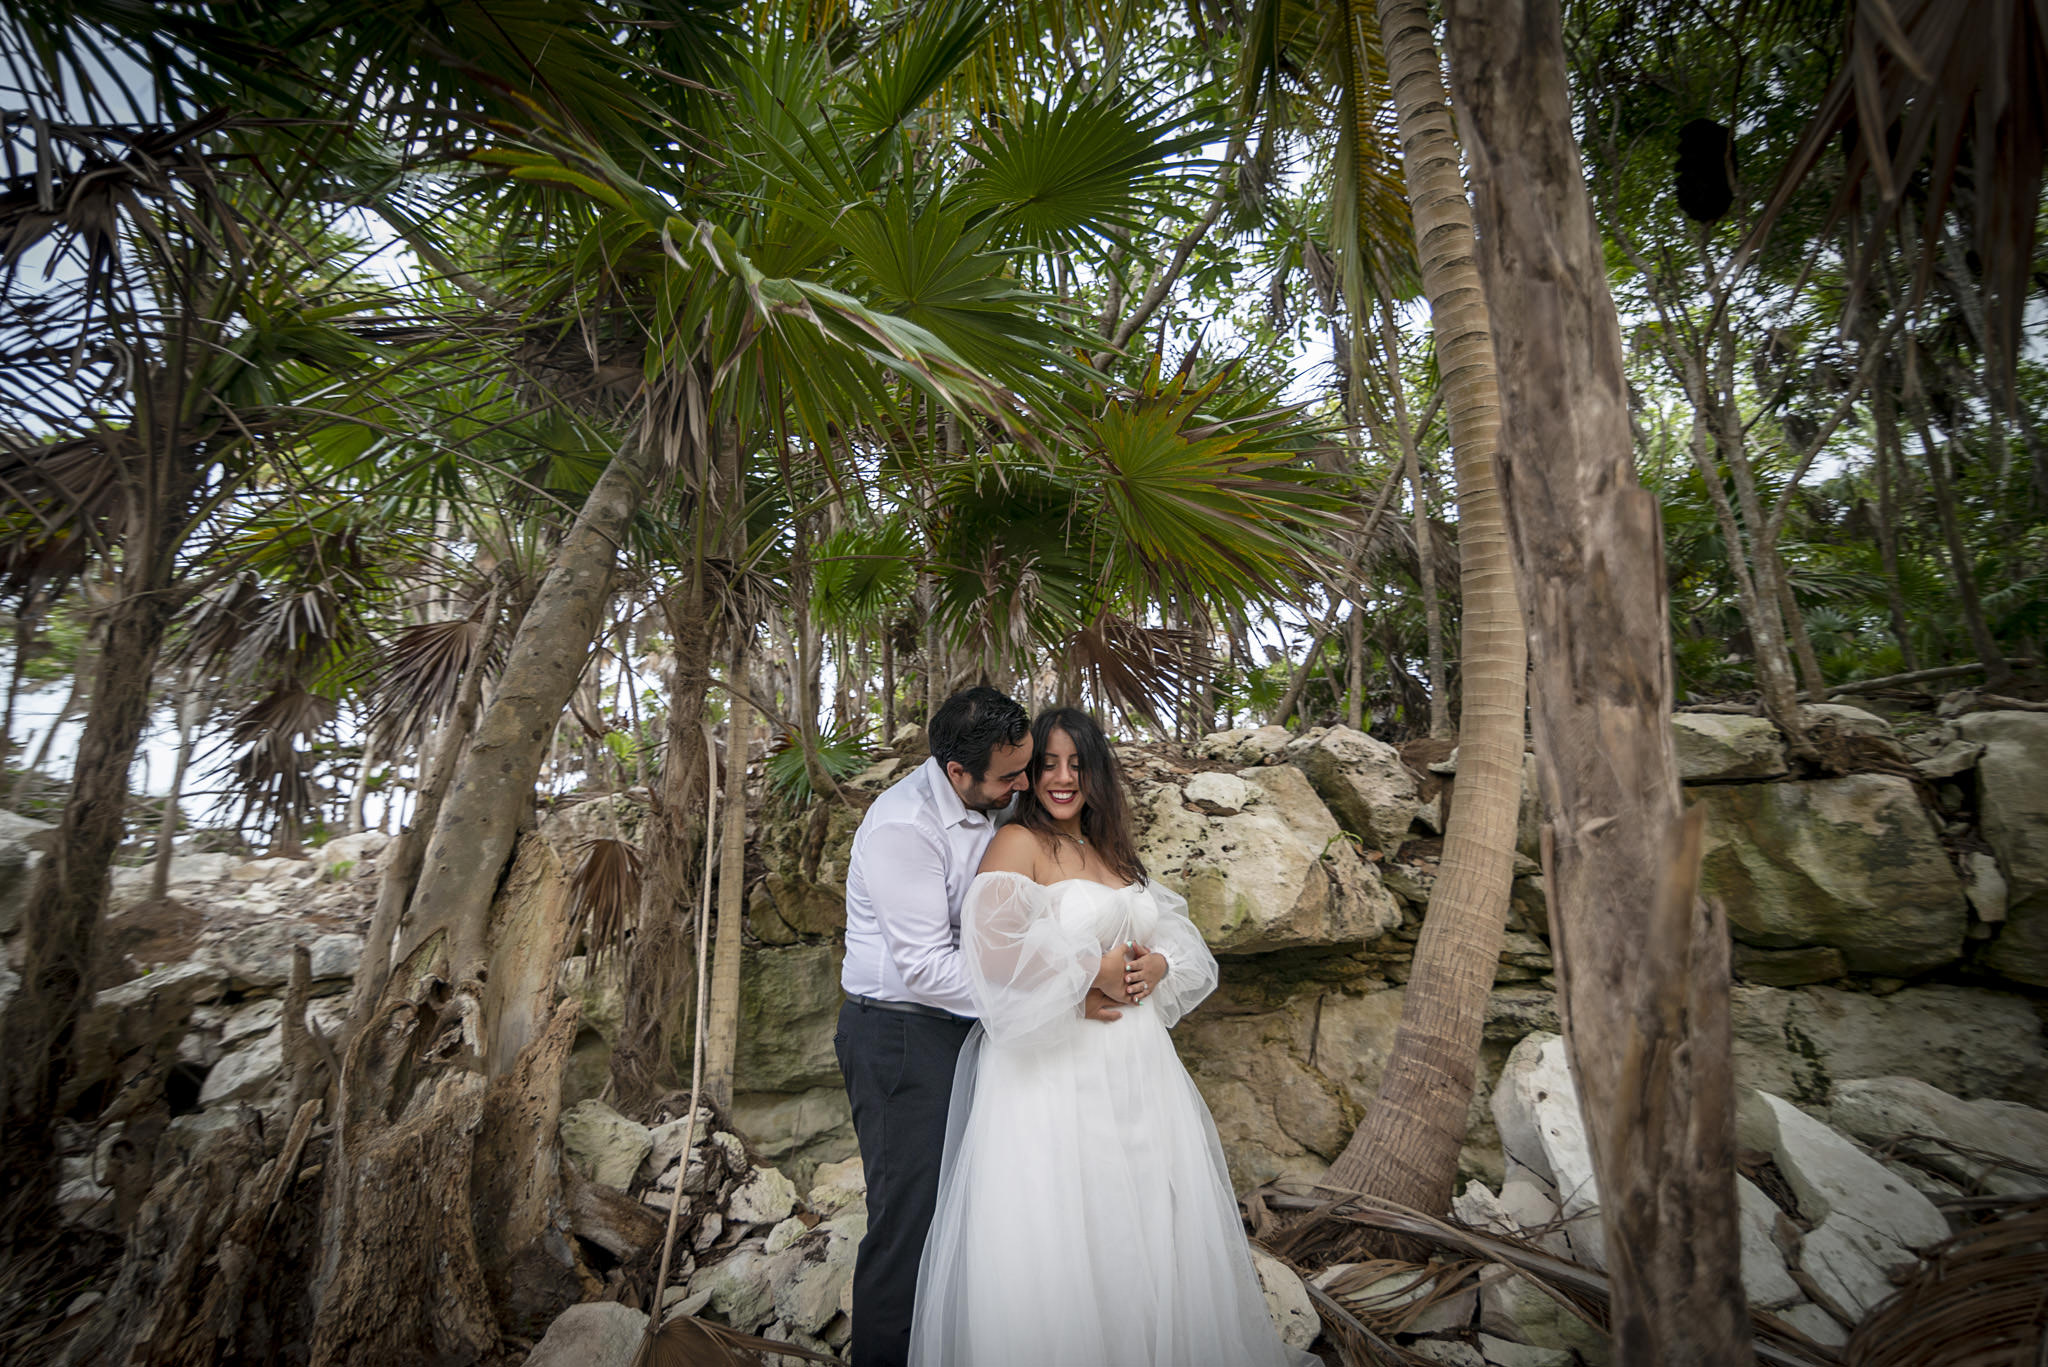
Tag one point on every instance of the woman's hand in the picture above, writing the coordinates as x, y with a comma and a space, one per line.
1109, 977
1144, 970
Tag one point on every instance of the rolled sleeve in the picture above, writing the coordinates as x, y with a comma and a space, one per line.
906, 870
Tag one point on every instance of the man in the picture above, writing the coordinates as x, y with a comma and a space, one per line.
907, 1008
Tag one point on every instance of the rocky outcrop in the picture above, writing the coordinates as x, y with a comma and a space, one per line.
1852, 863
1716, 747
2012, 798
1276, 874
1362, 780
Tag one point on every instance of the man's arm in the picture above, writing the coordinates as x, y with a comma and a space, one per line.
905, 869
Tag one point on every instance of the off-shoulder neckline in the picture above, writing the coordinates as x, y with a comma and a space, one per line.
1077, 878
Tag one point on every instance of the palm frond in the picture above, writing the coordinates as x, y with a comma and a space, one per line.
604, 892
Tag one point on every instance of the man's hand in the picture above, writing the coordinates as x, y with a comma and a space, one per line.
1099, 1006
1144, 970
1109, 977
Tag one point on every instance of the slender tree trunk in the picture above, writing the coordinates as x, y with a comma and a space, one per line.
722, 1031
28, 620
167, 830
1643, 961
1425, 548
60, 931
660, 970
359, 797
1354, 673
1886, 419
1810, 673
493, 789
401, 863
888, 683
1407, 1148
1997, 673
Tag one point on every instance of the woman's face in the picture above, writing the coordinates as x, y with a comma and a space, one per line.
1057, 784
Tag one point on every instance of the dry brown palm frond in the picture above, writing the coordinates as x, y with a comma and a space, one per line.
1958, 88
604, 892
415, 678
274, 775
686, 1341
1584, 1291
1979, 1300
1135, 667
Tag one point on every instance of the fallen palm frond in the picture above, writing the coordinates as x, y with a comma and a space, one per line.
1583, 1291
1979, 1300
686, 1341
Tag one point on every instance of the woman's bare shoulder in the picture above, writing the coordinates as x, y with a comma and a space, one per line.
1014, 850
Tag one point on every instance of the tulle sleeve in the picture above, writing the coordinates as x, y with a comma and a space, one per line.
1190, 967
1028, 973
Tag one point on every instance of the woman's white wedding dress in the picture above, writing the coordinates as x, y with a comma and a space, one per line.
1085, 1216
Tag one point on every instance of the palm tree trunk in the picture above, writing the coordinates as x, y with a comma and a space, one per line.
1354, 674
1997, 673
722, 1030
1407, 1148
167, 829
1425, 549
493, 791
1885, 414
60, 930
661, 968
1642, 960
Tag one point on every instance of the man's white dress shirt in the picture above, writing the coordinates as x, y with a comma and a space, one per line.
916, 851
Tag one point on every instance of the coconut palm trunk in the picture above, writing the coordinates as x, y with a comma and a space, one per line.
1407, 1148
1642, 960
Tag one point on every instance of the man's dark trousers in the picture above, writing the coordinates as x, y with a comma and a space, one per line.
899, 1077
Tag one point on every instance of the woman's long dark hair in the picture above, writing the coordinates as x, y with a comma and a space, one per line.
1106, 813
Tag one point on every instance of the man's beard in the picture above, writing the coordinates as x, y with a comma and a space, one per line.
987, 805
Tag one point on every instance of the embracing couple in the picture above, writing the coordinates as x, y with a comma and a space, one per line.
1045, 1186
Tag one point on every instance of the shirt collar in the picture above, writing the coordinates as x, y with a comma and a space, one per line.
952, 811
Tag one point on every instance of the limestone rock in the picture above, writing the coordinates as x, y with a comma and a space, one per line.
1848, 720
1852, 862
345, 854
149, 1012
1364, 782
1971, 1041
335, 956
1716, 747
1956, 757
2012, 801
809, 897
1788, 967
1287, 1301
247, 1072
1536, 1106
743, 1286
766, 1197
1765, 1279
260, 956
838, 1186
1985, 886
1217, 794
1816, 1323
1508, 1353
605, 1146
784, 1234
23, 843
1511, 1308
1448, 1352
601, 996
789, 1009
1865, 1220
1246, 745
1280, 873
808, 1299
665, 1142
800, 1130
1884, 1111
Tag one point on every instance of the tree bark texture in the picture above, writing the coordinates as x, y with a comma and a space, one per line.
1643, 961
722, 1032
1885, 419
60, 932
1407, 1148
1997, 674
493, 790
659, 969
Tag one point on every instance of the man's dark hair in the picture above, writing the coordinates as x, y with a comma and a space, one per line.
971, 724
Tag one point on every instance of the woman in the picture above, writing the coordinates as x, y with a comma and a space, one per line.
1085, 1216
